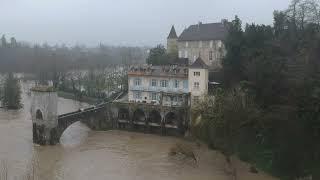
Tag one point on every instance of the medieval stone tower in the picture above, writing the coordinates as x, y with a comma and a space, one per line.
172, 42
44, 114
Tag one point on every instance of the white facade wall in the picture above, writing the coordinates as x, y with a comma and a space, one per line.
198, 85
147, 91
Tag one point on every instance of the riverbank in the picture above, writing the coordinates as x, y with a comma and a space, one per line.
71, 96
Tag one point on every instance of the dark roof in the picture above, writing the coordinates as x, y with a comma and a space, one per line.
212, 31
181, 61
199, 64
172, 34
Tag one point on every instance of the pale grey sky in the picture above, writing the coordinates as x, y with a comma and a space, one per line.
121, 22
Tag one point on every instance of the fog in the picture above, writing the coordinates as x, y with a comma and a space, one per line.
121, 22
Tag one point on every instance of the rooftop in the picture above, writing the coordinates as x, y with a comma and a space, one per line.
172, 34
211, 31
199, 64
159, 71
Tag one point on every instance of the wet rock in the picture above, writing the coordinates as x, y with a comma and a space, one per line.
253, 170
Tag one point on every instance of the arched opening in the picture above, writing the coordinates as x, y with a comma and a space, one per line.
155, 117
123, 114
139, 116
74, 133
39, 115
171, 119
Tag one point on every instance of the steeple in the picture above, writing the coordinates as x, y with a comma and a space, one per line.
172, 34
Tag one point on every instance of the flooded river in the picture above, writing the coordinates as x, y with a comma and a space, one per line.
112, 155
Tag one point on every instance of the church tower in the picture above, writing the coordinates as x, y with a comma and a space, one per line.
172, 42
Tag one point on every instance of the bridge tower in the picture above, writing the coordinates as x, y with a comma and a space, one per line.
44, 114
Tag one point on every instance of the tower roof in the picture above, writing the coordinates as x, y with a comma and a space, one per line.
199, 64
172, 34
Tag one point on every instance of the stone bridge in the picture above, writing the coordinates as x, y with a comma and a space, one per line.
48, 127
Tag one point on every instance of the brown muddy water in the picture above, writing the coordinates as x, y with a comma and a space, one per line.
112, 155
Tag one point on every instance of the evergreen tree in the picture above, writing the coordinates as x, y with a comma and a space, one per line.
11, 93
159, 56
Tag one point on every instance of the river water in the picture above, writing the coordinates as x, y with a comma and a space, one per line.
112, 155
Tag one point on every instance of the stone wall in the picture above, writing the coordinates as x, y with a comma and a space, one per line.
192, 49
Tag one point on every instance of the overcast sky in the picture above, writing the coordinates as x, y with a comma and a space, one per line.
121, 22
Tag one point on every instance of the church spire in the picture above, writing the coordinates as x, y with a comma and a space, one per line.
172, 34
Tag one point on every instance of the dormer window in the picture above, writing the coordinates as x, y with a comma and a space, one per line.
211, 44
196, 73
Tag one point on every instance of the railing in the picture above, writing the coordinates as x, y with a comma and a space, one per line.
158, 89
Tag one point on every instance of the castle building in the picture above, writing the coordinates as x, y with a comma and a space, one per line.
200, 40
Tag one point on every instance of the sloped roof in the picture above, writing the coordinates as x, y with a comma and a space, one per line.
199, 64
172, 34
212, 31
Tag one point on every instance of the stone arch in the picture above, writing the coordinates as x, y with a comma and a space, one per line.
123, 114
139, 116
39, 115
172, 118
155, 117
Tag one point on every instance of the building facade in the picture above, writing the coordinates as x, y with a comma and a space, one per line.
201, 40
158, 85
198, 80
170, 85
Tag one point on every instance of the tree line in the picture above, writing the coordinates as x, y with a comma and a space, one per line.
24, 57
268, 110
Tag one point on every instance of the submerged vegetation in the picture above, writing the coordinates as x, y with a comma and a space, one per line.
11, 98
268, 111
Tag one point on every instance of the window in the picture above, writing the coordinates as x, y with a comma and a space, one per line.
200, 44
154, 82
185, 54
185, 84
176, 83
175, 99
137, 95
210, 55
196, 73
39, 115
164, 83
196, 85
137, 82
154, 96
219, 44
180, 54
187, 44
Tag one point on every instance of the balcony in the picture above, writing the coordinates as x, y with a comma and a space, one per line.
158, 89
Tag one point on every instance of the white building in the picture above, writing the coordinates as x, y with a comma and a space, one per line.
198, 80
165, 85
168, 85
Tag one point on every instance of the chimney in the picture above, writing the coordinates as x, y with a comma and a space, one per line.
199, 23
224, 21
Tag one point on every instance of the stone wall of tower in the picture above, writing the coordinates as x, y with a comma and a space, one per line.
172, 46
44, 115
192, 50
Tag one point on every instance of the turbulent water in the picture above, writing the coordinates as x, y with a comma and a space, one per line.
84, 154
